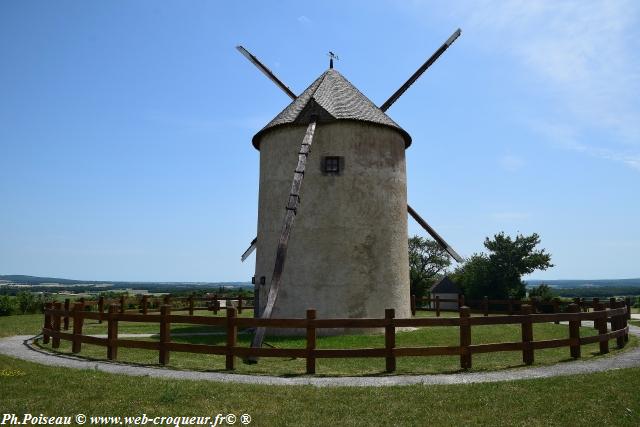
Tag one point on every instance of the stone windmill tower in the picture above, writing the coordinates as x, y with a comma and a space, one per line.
347, 255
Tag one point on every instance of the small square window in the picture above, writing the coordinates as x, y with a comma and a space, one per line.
331, 165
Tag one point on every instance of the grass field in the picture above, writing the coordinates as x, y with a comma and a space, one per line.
609, 398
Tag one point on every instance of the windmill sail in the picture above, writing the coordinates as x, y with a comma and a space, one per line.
267, 72
444, 245
252, 247
397, 94
287, 226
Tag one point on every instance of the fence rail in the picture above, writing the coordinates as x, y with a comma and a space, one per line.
146, 305
614, 314
509, 306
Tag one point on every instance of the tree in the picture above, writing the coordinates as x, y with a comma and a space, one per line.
498, 274
427, 260
7, 305
29, 303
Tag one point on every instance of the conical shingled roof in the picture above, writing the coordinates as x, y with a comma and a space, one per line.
331, 97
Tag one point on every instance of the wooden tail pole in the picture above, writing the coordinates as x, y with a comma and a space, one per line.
283, 242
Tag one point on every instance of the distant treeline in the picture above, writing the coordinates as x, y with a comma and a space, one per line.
197, 291
35, 280
608, 283
597, 292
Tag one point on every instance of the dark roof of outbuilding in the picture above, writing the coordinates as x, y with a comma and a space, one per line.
445, 286
331, 97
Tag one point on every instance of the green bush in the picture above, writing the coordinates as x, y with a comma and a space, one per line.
29, 303
7, 305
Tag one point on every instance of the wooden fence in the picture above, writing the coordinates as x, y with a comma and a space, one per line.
616, 315
509, 306
147, 304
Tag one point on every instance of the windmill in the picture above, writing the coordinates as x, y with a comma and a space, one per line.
348, 257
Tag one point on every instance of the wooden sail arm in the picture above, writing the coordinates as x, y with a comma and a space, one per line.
397, 94
443, 244
250, 249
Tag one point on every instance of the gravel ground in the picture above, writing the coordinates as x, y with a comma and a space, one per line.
21, 347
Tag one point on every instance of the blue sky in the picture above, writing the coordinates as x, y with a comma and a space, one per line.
125, 127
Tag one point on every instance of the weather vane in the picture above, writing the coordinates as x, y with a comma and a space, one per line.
332, 56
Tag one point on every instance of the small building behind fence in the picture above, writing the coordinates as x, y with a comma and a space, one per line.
446, 289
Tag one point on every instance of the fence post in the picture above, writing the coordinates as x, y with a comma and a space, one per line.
239, 304
390, 339
145, 304
460, 301
437, 305
527, 335
100, 308
165, 333
55, 342
166, 300
556, 308
485, 305
595, 302
601, 325
216, 304
465, 338
615, 322
624, 320
620, 320
122, 303
311, 341
232, 337
67, 307
112, 333
510, 306
627, 301
576, 301
574, 332
413, 305
191, 305
78, 320
47, 322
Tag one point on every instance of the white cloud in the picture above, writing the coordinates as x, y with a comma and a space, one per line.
304, 20
568, 137
582, 53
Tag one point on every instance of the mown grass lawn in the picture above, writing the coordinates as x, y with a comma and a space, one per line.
432, 336
609, 398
